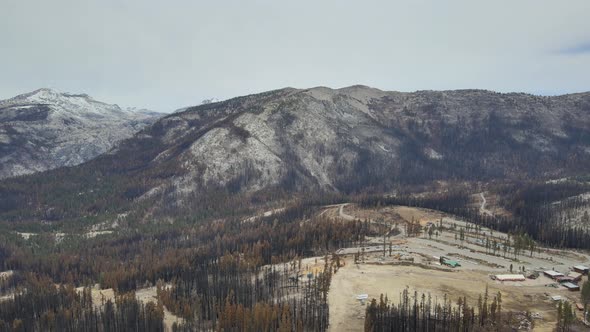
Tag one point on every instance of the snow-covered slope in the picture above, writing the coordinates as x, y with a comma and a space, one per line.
358, 137
46, 129
290, 141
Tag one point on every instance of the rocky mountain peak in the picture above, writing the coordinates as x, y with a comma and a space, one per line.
45, 129
40, 96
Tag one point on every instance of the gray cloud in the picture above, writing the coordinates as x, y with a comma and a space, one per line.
582, 48
165, 55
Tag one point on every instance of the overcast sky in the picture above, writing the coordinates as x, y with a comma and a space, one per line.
164, 55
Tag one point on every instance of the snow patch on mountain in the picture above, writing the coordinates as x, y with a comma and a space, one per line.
46, 129
433, 154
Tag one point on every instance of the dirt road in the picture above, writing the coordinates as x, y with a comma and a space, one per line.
482, 208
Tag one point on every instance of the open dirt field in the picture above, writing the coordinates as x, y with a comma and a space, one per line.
377, 273
348, 314
396, 214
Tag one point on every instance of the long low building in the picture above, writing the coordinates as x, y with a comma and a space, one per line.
581, 269
510, 277
553, 274
572, 287
564, 279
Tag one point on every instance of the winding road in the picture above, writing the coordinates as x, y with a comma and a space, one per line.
344, 215
482, 208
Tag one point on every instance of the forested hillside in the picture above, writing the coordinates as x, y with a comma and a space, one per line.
246, 150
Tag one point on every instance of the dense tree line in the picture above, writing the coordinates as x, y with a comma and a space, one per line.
42, 306
422, 313
533, 207
565, 316
136, 258
209, 274
237, 298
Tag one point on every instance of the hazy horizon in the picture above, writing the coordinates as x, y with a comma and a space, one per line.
206, 99
168, 56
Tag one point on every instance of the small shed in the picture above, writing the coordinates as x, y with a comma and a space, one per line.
556, 297
553, 274
581, 269
451, 263
570, 286
580, 306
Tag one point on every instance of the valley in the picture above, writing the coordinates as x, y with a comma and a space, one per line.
311, 209
400, 249
294, 166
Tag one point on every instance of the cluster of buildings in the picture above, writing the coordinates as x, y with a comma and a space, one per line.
571, 280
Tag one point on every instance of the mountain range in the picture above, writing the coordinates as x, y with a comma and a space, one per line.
46, 129
283, 142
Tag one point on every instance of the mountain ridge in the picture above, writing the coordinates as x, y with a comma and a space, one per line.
351, 140
46, 129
